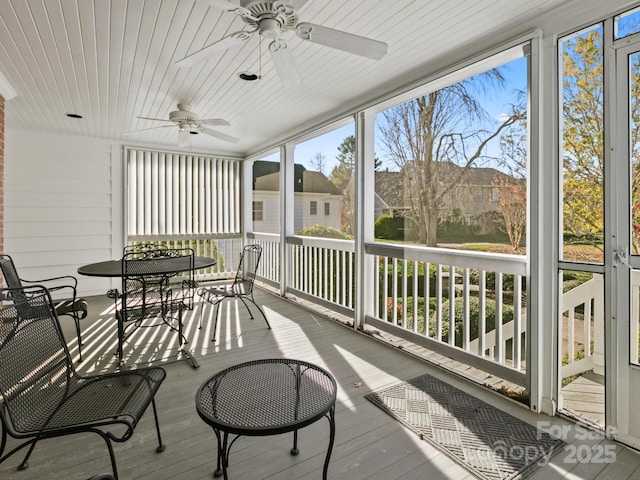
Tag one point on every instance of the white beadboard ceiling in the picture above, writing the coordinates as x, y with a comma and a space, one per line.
112, 61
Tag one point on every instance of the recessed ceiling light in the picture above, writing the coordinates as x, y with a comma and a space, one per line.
73, 115
249, 76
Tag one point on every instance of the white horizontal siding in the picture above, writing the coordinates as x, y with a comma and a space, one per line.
270, 212
58, 204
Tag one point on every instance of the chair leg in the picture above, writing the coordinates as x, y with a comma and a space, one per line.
246, 306
259, 309
76, 319
111, 454
161, 446
120, 339
201, 313
215, 322
25, 462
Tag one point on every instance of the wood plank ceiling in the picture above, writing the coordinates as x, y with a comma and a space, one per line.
113, 61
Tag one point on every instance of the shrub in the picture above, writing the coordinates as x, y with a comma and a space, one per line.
387, 228
324, 232
474, 316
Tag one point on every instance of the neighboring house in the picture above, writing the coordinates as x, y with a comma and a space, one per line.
389, 193
475, 195
317, 201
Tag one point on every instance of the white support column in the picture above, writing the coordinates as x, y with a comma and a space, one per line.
287, 174
364, 213
543, 334
247, 199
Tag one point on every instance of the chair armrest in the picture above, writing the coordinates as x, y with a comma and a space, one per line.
71, 282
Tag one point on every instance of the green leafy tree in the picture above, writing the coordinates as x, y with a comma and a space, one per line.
342, 177
342, 172
583, 140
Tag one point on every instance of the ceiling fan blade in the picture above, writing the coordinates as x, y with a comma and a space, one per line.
156, 119
229, 7
201, 55
285, 63
222, 5
295, 4
217, 122
220, 135
146, 129
340, 40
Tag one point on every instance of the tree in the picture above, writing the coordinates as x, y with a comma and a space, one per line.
512, 198
342, 177
426, 136
317, 162
583, 140
341, 173
512, 190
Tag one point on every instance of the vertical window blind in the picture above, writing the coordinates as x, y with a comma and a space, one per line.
177, 194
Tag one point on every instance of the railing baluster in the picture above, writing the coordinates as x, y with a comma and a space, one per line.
571, 336
498, 320
414, 294
439, 302
427, 297
394, 300
466, 322
385, 290
482, 314
587, 328
452, 305
403, 305
517, 319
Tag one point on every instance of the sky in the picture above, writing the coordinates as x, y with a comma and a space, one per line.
515, 74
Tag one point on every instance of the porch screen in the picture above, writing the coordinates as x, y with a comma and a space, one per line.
171, 194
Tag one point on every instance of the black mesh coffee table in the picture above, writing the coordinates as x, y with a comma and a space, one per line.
266, 397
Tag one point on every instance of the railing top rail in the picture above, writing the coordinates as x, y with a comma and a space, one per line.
183, 236
329, 243
495, 262
271, 237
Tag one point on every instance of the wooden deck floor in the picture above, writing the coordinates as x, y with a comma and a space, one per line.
369, 443
584, 398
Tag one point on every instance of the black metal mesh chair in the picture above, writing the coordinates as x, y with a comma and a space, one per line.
42, 394
241, 287
157, 287
72, 305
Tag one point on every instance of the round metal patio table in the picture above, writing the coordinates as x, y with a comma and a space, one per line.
266, 397
113, 268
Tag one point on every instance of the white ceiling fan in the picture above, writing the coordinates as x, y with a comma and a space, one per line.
270, 19
189, 123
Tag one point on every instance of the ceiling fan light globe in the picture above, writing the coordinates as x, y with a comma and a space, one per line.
269, 28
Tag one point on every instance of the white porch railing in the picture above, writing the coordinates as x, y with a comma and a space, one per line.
318, 268
269, 267
471, 305
583, 328
322, 268
224, 248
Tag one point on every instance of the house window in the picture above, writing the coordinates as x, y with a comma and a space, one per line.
313, 207
327, 209
495, 195
258, 209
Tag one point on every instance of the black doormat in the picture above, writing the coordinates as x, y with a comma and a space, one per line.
486, 441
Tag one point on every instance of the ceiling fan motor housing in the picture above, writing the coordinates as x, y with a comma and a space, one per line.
270, 18
183, 115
